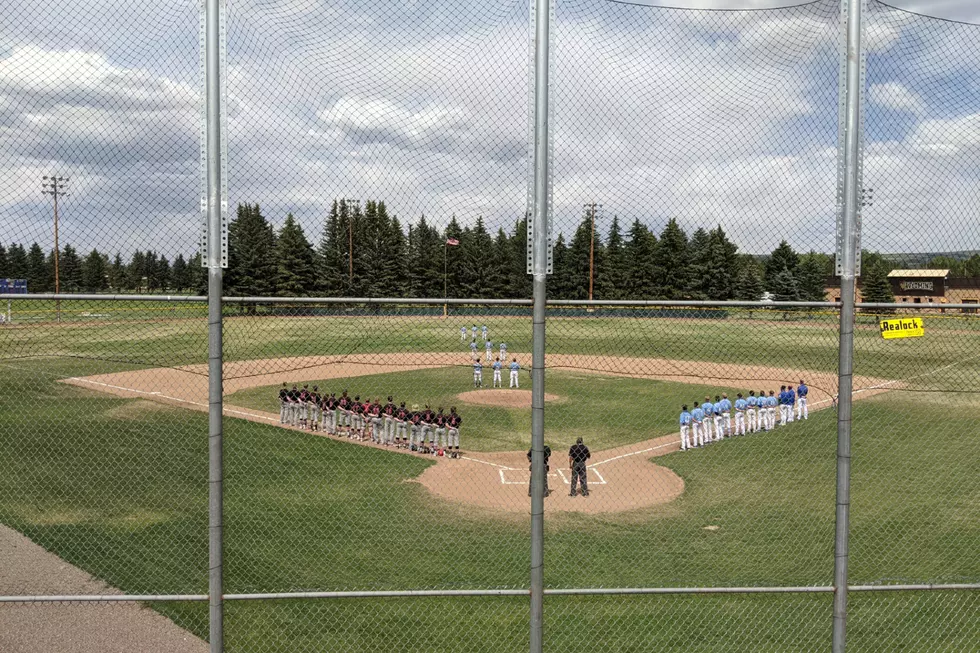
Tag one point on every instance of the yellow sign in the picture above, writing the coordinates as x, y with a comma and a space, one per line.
903, 327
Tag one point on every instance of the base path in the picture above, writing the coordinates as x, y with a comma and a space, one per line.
620, 479
28, 569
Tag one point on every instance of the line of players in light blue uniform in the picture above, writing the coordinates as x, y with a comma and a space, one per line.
712, 421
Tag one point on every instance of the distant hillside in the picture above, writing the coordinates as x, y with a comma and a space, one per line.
917, 260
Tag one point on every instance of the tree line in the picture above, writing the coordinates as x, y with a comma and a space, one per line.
363, 251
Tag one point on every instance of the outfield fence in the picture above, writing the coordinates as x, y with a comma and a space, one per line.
254, 233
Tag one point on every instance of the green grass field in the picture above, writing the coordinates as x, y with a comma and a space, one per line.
119, 488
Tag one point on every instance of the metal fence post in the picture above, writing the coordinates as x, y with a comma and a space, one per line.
542, 28
215, 278
847, 252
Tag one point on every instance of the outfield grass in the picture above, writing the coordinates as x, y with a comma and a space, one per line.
607, 411
119, 488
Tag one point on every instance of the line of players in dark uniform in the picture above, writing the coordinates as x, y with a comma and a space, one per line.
424, 431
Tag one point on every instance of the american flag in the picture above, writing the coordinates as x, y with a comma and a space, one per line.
452, 241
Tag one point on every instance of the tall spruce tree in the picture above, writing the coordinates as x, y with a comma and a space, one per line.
252, 265
295, 275
782, 258
117, 273
583, 246
498, 282
749, 285
721, 267
179, 274
95, 272
616, 267
476, 250
4, 265
17, 264
40, 275
564, 277
642, 273
811, 276
699, 258
875, 286
784, 288
672, 264
520, 280
332, 279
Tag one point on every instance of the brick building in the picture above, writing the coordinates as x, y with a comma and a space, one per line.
923, 287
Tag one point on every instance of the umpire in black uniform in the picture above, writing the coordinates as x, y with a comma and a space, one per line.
578, 454
547, 467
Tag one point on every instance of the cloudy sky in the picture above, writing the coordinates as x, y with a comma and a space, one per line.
713, 117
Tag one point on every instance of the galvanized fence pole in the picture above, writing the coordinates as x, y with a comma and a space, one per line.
847, 252
542, 28
215, 278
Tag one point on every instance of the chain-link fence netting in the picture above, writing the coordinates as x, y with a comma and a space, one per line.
381, 151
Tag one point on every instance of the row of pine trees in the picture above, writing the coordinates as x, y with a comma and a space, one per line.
365, 252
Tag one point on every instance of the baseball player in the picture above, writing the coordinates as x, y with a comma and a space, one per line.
377, 421
802, 412
718, 420
751, 415
315, 408
293, 406
726, 413
401, 426
709, 419
485, 332
330, 414
473, 353
782, 405
503, 351
474, 333
304, 406
415, 429
771, 403
389, 416
790, 403
283, 404
685, 428
357, 410
697, 425
344, 412
547, 468
462, 334
440, 441
428, 417
477, 374
515, 367
578, 453
489, 348
453, 422
497, 366
740, 406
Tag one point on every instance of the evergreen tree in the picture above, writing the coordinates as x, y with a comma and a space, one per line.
135, 270
577, 264
498, 286
971, 267
425, 252
672, 264
4, 265
616, 269
874, 259
117, 274
563, 277
875, 286
150, 263
784, 288
294, 261
397, 263
749, 287
782, 258
17, 264
640, 253
942, 262
811, 276
476, 255
198, 275
162, 273
455, 273
252, 264
180, 275
519, 286
698, 271
94, 272
332, 277
40, 275
721, 267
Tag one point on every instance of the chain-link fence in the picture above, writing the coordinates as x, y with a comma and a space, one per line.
718, 447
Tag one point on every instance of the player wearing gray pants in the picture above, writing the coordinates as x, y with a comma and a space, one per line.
283, 404
389, 421
440, 439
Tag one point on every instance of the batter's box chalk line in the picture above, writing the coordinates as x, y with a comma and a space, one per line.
511, 476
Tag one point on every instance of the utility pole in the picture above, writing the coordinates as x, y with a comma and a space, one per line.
591, 209
55, 187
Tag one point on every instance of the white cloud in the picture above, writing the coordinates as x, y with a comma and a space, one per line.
896, 96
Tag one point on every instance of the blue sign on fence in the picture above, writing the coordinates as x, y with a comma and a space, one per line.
18, 286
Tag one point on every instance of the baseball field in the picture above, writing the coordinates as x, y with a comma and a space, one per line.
103, 462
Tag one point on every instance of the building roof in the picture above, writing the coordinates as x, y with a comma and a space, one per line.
931, 274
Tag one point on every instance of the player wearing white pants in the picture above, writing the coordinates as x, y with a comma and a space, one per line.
750, 411
719, 427
462, 334
697, 426
514, 369
771, 403
790, 403
782, 406
740, 406
497, 365
489, 347
477, 374
726, 414
685, 428
709, 419
801, 408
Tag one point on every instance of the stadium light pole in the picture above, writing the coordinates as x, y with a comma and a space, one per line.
55, 187
852, 196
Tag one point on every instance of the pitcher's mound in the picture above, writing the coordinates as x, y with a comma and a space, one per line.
502, 397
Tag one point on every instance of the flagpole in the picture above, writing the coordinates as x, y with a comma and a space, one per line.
445, 283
